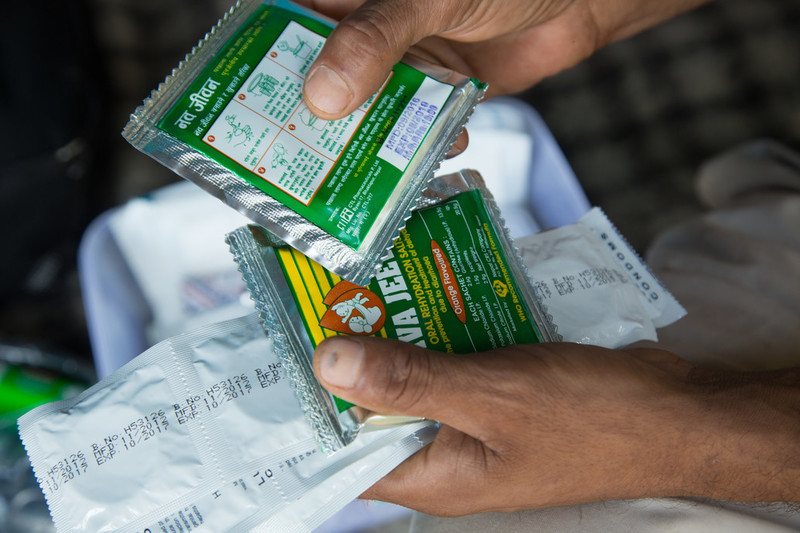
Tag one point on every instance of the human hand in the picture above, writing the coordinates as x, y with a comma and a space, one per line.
510, 44
559, 424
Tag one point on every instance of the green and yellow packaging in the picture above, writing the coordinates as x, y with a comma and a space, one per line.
452, 282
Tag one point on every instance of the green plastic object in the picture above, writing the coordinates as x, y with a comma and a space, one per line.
23, 388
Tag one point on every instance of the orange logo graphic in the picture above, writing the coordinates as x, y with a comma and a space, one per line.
352, 309
449, 283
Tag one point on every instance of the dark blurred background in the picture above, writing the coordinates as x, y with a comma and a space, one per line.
634, 121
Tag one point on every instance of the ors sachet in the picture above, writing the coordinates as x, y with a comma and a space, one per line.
231, 119
452, 282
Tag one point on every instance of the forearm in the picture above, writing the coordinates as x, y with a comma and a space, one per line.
743, 441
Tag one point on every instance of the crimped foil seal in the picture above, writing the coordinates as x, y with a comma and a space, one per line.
353, 259
254, 250
468, 179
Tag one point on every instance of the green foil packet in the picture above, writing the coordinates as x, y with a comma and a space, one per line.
452, 282
231, 119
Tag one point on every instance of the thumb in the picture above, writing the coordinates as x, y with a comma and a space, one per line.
360, 52
396, 378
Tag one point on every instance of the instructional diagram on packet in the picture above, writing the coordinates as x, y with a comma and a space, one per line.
267, 129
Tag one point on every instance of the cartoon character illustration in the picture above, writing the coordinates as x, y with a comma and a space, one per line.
362, 323
302, 49
237, 131
279, 156
263, 85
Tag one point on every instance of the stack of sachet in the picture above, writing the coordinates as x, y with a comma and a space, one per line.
226, 428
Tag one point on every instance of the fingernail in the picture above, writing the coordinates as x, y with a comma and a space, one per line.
340, 362
327, 91
454, 151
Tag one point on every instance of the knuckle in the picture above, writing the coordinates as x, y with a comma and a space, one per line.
370, 33
407, 378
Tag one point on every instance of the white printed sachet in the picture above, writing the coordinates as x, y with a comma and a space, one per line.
202, 432
352, 470
595, 286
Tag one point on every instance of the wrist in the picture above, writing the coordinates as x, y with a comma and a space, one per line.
742, 440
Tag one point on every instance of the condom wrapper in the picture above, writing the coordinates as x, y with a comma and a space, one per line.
452, 282
202, 432
596, 287
231, 119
